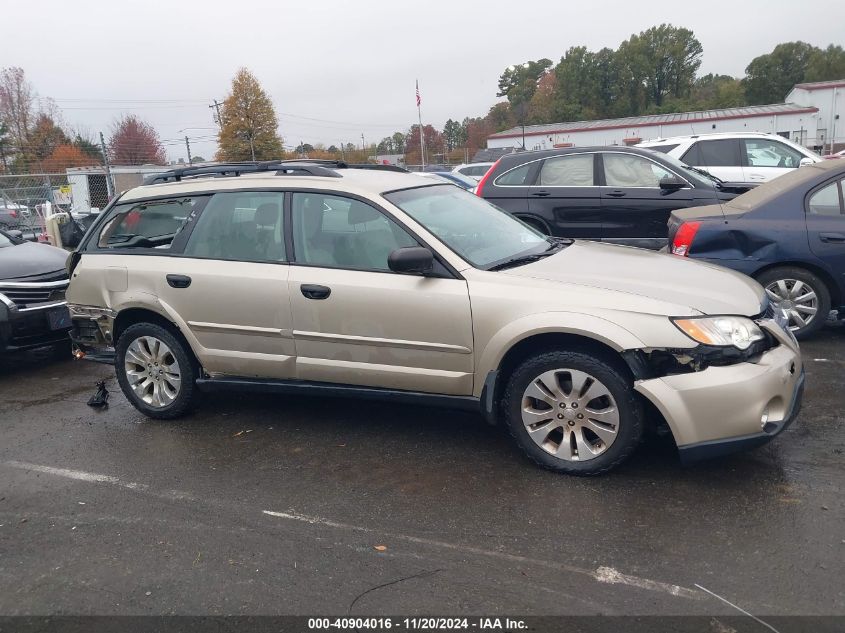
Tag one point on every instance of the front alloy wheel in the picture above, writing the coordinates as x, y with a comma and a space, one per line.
570, 414
573, 412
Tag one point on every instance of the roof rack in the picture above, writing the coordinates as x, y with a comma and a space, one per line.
306, 166
223, 170
340, 164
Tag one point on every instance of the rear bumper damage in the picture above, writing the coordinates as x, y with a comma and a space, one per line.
92, 333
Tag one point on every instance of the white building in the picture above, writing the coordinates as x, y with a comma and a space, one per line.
810, 116
829, 98
88, 188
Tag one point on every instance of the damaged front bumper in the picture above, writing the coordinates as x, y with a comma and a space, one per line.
720, 409
92, 333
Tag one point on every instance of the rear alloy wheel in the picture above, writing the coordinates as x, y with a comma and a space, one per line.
573, 413
155, 371
801, 295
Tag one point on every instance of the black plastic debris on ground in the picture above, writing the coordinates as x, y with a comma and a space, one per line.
101, 397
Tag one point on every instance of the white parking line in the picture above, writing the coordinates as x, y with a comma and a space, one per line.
602, 574
79, 475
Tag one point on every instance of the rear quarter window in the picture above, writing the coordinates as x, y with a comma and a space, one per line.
515, 177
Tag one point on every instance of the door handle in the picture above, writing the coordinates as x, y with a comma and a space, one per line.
836, 238
540, 194
615, 194
178, 281
313, 291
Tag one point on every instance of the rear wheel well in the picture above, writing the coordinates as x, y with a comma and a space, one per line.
832, 287
131, 316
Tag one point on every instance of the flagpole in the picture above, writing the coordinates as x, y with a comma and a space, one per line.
422, 137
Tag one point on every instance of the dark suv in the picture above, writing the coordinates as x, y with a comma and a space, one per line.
613, 194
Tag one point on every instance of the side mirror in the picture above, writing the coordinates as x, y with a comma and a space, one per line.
411, 259
806, 161
18, 235
671, 183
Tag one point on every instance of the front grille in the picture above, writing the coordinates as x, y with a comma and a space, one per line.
34, 293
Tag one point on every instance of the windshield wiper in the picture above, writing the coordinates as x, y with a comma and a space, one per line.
705, 173
558, 244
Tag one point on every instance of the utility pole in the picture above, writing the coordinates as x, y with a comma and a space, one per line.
342, 156
216, 107
109, 181
188, 146
363, 145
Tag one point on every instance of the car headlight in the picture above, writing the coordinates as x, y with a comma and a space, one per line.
721, 331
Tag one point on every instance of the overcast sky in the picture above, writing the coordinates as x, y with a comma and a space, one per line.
335, 69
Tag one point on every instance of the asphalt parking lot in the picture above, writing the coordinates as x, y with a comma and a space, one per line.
281, 505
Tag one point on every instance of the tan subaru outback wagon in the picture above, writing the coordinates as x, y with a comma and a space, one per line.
328, 281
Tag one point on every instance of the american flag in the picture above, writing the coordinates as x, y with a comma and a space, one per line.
418, 94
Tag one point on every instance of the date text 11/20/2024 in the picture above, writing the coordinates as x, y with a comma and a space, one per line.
417, 624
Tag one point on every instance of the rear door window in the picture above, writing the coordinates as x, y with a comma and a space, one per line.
155, 224
241, 226
718, 153
630, 170
826, 201
573, 170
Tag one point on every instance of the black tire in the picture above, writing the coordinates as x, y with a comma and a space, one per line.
819, 287
186, 397
629, 407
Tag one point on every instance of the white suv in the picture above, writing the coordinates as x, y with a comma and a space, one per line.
737, 157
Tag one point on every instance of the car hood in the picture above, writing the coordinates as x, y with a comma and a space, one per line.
667, 279
29, 259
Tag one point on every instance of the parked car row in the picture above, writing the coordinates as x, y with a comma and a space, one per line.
622, 195
385, 285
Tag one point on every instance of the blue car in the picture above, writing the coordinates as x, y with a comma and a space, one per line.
788, 234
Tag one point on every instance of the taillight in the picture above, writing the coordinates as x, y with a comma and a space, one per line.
483, 181
682, 243
13, 213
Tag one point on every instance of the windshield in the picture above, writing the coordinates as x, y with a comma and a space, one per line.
480, 233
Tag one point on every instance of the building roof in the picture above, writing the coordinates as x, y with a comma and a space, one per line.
821, 85
657, 119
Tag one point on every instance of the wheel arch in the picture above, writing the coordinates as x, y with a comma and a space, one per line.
507, 349
133, 315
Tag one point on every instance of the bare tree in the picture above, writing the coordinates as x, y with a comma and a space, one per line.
17, 104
